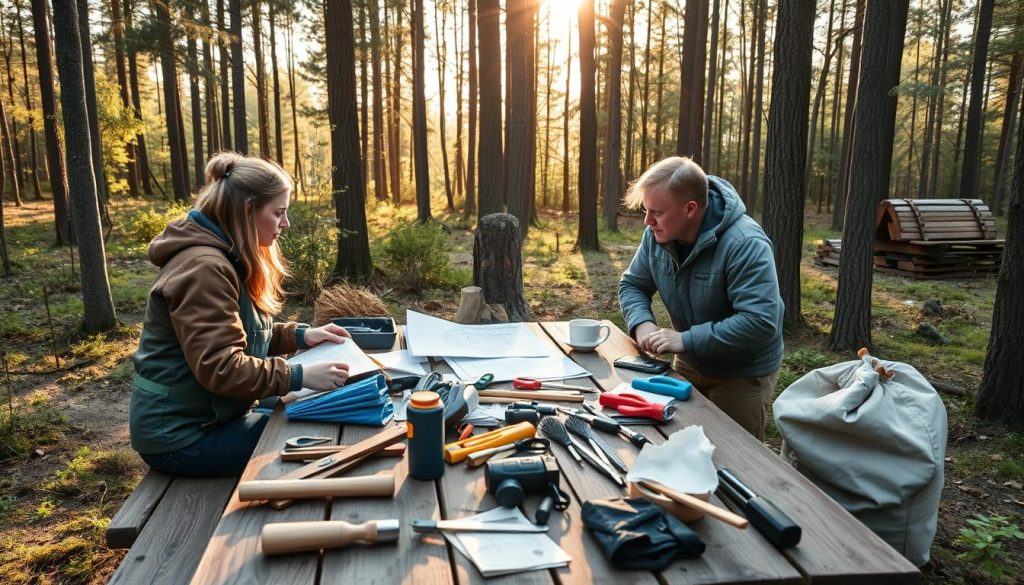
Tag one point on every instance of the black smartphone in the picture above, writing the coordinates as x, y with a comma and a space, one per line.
641, 364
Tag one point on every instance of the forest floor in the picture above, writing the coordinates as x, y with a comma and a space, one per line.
63, 427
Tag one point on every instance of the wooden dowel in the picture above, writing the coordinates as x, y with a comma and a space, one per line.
267, 489
696, 503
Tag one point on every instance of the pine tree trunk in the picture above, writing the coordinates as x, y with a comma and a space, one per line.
102, 192
498, 264
849, 121
819, 96
262, 109
460, 160
884, 27
98, 307
419, 116
471, 130
785, 152
645, 96
613, 137
8, 155
196, 105
689, 141
1001, 393
441, 45
748, 106
395, 134
631, 93
380, 183
170, 77
519, 27
54, 144
118, 26
566, 194
37, 192
490, 165
292, 99
209, 87
364, 90
1013, 90
241, 142
19, 182
969, 177
225, 95
276, 80
755, 163
142, 167
709, 99
940, 109
587, 180
656, 148
353, 259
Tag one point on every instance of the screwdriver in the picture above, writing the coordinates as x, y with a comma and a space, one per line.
602, 423
289, 537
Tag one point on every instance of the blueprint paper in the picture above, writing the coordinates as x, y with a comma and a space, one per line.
430, 336
507, 369
497, 553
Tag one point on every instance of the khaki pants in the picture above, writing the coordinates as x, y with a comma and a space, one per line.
745, 400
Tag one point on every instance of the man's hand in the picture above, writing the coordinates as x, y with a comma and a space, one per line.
330, 332
643, 333
652, 339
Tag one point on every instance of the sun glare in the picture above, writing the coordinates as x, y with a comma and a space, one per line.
561, 10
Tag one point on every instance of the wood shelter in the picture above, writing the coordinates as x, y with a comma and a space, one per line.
907, 220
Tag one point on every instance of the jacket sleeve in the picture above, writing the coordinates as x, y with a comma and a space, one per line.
636, 287
753, 291
202, 298
288, 337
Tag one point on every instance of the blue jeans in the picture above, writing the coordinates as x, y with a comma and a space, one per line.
221, 452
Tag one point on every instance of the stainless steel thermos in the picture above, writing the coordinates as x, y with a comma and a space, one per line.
425, 435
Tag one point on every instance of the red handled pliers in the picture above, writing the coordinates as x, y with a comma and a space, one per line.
631, 404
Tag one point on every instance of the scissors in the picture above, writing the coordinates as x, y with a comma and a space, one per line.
632, 404
535, 384
531, 446
678, 389
306, 441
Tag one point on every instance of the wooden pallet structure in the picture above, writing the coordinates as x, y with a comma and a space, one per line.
930, 239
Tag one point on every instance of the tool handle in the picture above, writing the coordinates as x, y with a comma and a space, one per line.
547, 503
318, 451
480, 457
778, 528
274, 489
608, 426
290, 537
633, 436
526, 384
727, 476
696, 503
678, 389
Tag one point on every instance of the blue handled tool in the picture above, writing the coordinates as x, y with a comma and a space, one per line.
678, 389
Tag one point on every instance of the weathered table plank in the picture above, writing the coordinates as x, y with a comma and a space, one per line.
136, 510
835, 547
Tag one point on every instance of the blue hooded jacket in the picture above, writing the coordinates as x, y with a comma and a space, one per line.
723, 296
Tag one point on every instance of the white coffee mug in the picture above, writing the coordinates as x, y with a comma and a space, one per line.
587, 332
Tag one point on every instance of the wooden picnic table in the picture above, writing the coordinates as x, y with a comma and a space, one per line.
835, 547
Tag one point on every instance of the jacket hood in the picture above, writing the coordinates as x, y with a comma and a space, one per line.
195, 230
724, 204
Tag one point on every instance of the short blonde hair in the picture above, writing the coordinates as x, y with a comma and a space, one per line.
676, 175
237, 187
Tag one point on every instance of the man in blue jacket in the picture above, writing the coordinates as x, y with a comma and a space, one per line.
714, 269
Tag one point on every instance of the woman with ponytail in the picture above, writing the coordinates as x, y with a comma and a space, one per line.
209, 347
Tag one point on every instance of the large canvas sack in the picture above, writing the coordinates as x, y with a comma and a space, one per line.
876, 445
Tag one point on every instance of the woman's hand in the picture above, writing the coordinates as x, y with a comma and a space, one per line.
324, 376
330, 332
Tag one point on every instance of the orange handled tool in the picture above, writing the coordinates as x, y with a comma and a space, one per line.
631, 404
459, 450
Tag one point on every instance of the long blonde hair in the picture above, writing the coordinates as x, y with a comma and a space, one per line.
237, 187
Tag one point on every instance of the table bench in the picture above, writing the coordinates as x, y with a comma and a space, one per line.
835, 548
165, 523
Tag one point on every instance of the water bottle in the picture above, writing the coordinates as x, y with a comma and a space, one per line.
426, 435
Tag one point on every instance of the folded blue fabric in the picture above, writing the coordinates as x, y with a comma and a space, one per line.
361, 403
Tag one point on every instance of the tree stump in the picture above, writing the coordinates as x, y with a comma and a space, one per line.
498, 264
472, 308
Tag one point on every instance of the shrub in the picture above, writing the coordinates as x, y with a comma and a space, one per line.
415, 256
984, 538
309, 245
147, 224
